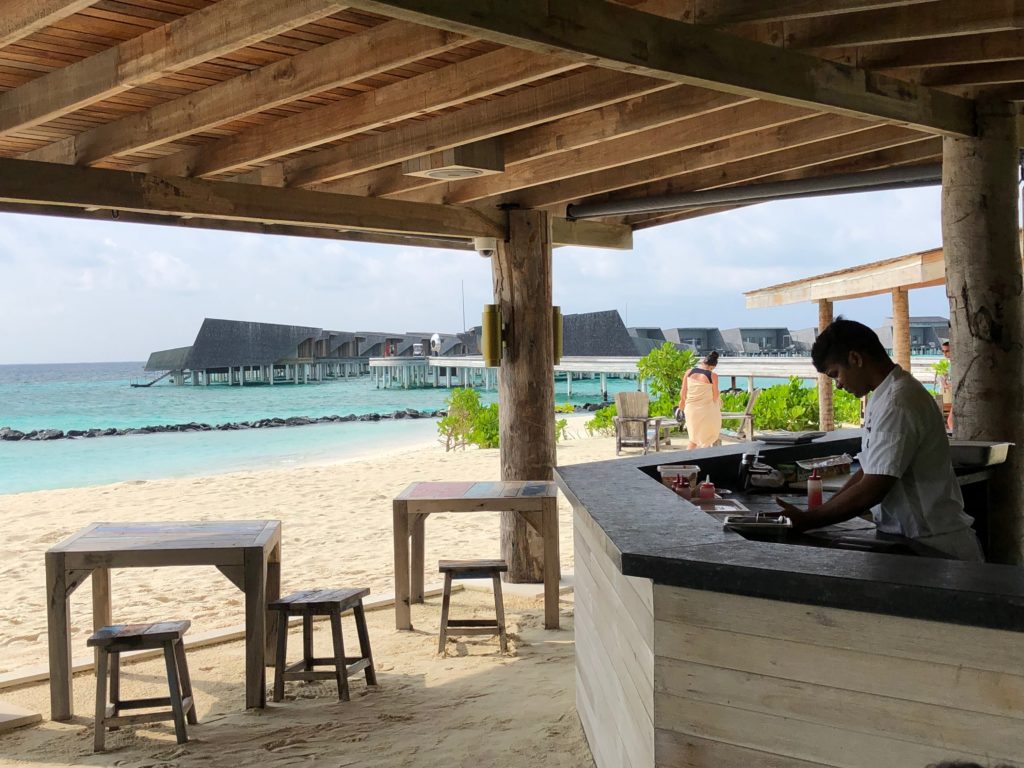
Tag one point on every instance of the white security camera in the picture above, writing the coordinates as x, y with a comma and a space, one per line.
485, 246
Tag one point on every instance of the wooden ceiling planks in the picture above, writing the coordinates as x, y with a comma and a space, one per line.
333, 135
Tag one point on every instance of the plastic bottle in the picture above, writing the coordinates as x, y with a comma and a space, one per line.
706, 490
814, 490
681, 487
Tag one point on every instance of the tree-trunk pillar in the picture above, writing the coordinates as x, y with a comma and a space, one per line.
986, 307
526, 380
826, 419
901, 328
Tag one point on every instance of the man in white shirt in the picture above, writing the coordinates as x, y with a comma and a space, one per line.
906, 477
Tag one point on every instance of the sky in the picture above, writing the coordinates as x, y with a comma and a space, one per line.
82, 291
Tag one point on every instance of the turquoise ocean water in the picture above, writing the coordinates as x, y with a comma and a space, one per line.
87, 395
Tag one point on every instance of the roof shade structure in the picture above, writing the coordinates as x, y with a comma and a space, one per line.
914, 270
300, 117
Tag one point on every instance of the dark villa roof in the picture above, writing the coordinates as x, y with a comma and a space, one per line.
645, 344
596, 334
647, 333
168, 359
222, 343
335, 339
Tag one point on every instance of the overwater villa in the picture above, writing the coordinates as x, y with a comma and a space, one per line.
514, 128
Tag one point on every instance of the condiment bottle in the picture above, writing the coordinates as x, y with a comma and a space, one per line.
682, 487
814, 490
706, 490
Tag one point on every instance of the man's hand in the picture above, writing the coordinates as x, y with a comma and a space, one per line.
803, 519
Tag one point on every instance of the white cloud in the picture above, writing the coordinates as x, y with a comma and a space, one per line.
116, 291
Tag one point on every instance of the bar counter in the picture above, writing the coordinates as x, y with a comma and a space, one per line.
698, 647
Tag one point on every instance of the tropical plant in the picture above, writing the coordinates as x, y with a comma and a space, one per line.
468, 422
484, 432
734, 402
664, 369
560, 433
794, 407
845, 407
565, 408
789, 406
602, 423
941, 368
455, 428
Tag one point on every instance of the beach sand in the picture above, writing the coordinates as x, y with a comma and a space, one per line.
473, 707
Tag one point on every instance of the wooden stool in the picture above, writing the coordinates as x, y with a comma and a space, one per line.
322, 602
473, 569
110, 643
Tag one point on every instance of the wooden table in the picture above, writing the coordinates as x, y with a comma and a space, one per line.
536, 502
247, 552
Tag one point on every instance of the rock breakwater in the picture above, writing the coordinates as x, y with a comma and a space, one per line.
15, 435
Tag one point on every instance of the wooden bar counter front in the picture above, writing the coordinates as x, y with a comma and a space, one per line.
698, 647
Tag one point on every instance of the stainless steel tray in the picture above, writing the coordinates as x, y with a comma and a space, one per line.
970, 453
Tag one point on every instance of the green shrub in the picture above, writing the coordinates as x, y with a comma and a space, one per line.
664, 369
794, 407
602, 423
733, 402
565, 408
470, 423
560, 433
484, 432
789, 406
845, 407
454, 429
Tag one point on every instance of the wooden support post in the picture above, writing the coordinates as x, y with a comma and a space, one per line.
521, 269
604, 386
984, 285
826, 418
901, 328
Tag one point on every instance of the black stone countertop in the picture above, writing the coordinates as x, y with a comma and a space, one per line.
654, 534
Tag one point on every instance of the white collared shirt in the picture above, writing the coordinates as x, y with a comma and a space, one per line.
905, 438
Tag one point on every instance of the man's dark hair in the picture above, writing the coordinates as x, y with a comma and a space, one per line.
835, 343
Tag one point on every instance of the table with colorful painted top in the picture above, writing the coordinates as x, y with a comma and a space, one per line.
248, 552
535, 501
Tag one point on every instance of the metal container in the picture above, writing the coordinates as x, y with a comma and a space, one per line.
977, 453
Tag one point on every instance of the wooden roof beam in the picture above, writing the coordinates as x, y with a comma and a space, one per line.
943, 18
205, 34
21, 18
47, 187
702, 165
434, 90
995, 73
934, 52
28, 181
364, 54
738, 11
916, 270
560, 137
925, 150
620, 38
550, 101
248, 227
753, 117
724, 12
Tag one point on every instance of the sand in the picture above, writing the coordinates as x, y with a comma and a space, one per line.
466, 708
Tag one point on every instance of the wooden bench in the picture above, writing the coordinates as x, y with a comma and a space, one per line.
331, 603
473, 569
110, 643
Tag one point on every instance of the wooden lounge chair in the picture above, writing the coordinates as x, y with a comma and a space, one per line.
634, 427
745, 432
